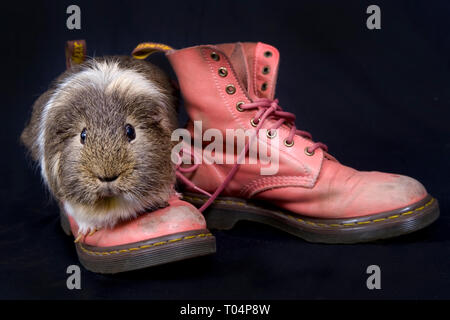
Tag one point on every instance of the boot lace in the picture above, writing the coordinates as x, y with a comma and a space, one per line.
265, 108
270, 108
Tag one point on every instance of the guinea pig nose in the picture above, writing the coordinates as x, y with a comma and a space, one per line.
108, 179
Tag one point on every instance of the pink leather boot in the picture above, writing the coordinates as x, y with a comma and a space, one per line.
173, 233
313, 196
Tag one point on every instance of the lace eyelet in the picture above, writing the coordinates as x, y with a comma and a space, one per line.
267, 54
223, 72
271, 133
308, 153
230, 89
238, 106
252, 122
264, 86
215, 56
266, 70
288, 144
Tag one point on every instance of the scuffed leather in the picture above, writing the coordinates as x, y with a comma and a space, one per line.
179, 216
318, 185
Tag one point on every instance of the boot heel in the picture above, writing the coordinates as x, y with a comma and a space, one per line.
220, 219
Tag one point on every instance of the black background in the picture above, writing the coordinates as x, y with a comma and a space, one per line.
379, 99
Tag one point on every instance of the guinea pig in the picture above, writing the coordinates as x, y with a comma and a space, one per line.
101, 135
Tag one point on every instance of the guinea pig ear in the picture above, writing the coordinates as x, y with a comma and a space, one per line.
30, 134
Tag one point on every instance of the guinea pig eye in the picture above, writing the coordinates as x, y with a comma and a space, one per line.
131, 134
83, 136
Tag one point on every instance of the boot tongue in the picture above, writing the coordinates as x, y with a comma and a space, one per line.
256, 66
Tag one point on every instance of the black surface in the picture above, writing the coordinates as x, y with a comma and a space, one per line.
379, 99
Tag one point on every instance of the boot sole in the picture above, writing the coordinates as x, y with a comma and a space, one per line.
143, 254
225, 212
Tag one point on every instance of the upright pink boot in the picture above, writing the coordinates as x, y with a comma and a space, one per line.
313, 196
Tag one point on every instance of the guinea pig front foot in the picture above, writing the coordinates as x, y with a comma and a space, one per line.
85, 234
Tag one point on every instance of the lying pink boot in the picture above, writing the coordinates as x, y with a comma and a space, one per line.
313, 196
176, 232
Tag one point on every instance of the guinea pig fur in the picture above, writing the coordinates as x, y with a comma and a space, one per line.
102, 137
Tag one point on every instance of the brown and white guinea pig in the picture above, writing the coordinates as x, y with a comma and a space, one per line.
102, 137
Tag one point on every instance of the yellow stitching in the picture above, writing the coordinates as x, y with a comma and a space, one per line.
321, 224
215, 201
144, 246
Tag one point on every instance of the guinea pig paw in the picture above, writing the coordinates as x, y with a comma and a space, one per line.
87, 233
78, 238
94, 230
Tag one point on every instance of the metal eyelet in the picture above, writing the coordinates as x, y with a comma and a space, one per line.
252, 122
271, 135
223, 72
264, 86
215, 56
267, 54
230, 89
266, 70
238, 106
308, 153
288, 144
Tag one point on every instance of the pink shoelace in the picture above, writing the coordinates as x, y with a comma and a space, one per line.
266, 108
